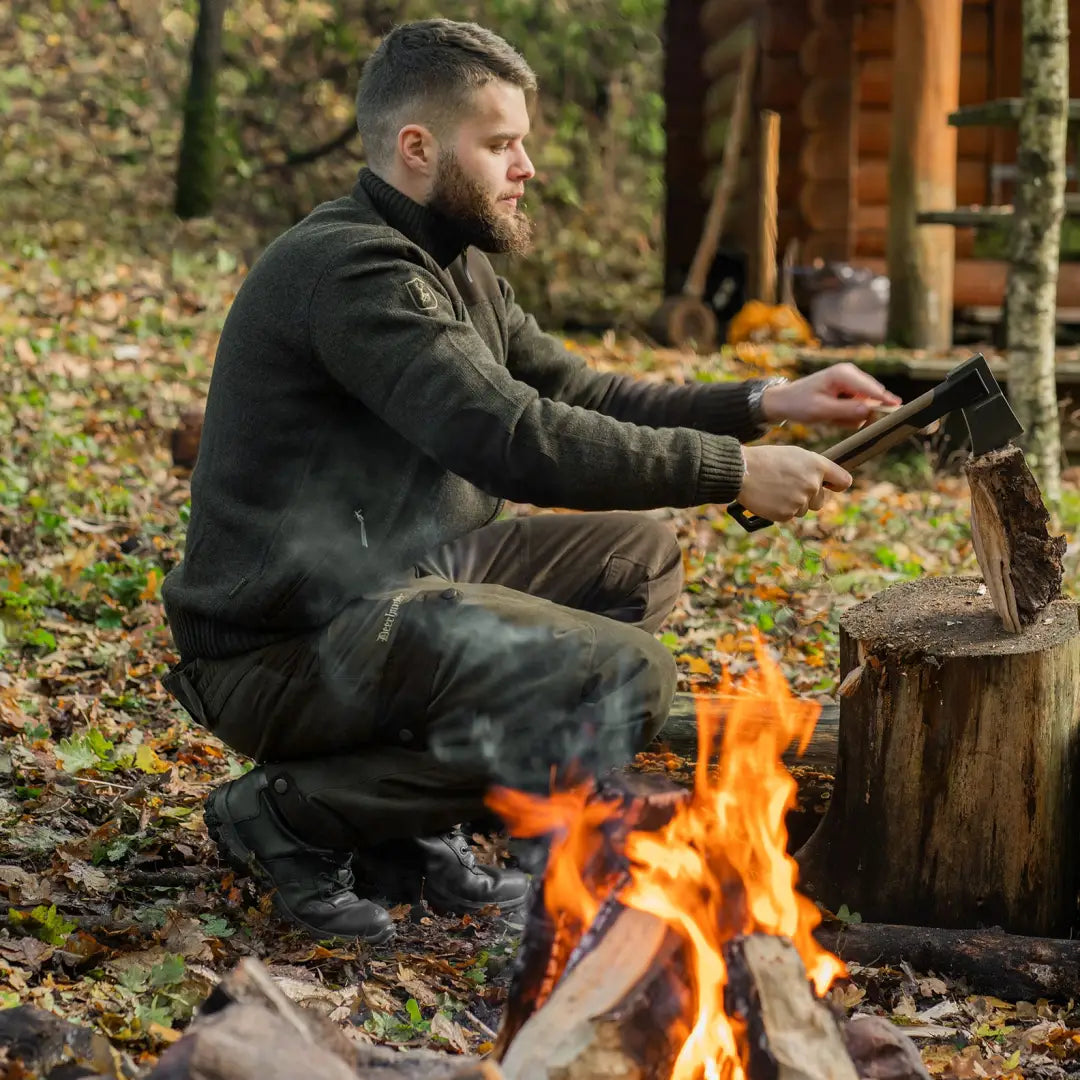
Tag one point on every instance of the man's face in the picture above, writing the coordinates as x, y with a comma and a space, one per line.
481, 175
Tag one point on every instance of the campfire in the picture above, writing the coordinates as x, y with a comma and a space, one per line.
662, 895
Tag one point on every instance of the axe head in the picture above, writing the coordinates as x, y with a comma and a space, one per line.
991, 423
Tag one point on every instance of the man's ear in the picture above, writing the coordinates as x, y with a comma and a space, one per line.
418, 149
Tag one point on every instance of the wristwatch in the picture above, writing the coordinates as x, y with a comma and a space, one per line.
757, 392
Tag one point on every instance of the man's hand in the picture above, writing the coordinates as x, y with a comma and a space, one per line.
842, 394
783, 482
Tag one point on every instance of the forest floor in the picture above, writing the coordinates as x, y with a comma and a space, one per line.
115, 910
118, 911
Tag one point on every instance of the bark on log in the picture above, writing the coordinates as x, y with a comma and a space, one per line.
955, 800
1040, 206
1019, 559
1007, 966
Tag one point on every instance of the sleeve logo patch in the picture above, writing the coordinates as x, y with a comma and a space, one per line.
422, 294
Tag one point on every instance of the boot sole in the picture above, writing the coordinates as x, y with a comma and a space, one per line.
244, 861
442, 906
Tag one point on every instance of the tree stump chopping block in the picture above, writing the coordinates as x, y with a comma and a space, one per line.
956, 801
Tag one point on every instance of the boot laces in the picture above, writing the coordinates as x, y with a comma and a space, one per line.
336, 878
458, 842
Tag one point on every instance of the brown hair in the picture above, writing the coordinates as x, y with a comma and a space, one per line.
426, 72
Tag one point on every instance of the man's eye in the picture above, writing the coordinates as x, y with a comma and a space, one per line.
500, 147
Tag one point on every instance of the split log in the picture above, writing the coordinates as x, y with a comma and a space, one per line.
617, 1013
791, 1034
1019, 559
550, 946
955, 794
1007, 966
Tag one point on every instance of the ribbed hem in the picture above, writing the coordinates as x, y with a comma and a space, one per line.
724, 409
722, 469
208, 639
435, 233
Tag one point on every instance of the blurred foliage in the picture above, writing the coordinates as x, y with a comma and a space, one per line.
90, 118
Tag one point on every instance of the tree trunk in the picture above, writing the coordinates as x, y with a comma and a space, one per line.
196, 171
955, 801
1040, 204
922, 171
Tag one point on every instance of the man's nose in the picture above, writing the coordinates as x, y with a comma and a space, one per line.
523, 167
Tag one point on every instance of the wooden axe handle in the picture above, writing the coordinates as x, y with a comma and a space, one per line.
882, 434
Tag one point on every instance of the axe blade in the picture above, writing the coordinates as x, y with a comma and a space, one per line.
991, 423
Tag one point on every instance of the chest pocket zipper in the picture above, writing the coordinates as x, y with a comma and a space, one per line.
359, 515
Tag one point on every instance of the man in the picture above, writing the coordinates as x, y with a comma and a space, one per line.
349, 611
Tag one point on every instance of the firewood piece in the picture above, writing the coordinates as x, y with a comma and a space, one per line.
613, 1014
248, 1042
954, 801
680, 733
1019, 559
881, 1051
39, 1041
547, 946
1007, 966
792, 1034
249, 983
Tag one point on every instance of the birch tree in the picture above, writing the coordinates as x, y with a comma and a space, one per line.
1036, 236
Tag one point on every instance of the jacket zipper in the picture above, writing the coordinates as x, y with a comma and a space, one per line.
359, 515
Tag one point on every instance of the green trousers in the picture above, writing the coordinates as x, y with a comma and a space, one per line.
521, 654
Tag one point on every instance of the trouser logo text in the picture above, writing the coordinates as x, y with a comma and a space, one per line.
391, 615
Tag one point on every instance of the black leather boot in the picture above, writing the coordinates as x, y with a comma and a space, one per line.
440, 869
313, 887
455, 881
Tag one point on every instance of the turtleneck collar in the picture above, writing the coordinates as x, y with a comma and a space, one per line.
437, 234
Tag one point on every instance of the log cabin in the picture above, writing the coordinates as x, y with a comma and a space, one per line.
826, 66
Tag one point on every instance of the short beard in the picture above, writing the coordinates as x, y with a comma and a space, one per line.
463, 201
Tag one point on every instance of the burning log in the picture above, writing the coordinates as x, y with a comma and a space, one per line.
616, 1013
1019, 559
1004, 965
954, 802
622, 1011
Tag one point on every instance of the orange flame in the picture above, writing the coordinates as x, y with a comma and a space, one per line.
718, 869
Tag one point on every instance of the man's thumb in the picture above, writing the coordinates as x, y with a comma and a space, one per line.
835, 477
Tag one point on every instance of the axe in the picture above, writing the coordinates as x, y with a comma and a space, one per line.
969, 387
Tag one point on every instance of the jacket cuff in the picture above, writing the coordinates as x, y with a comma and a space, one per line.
724, 409
723, 468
